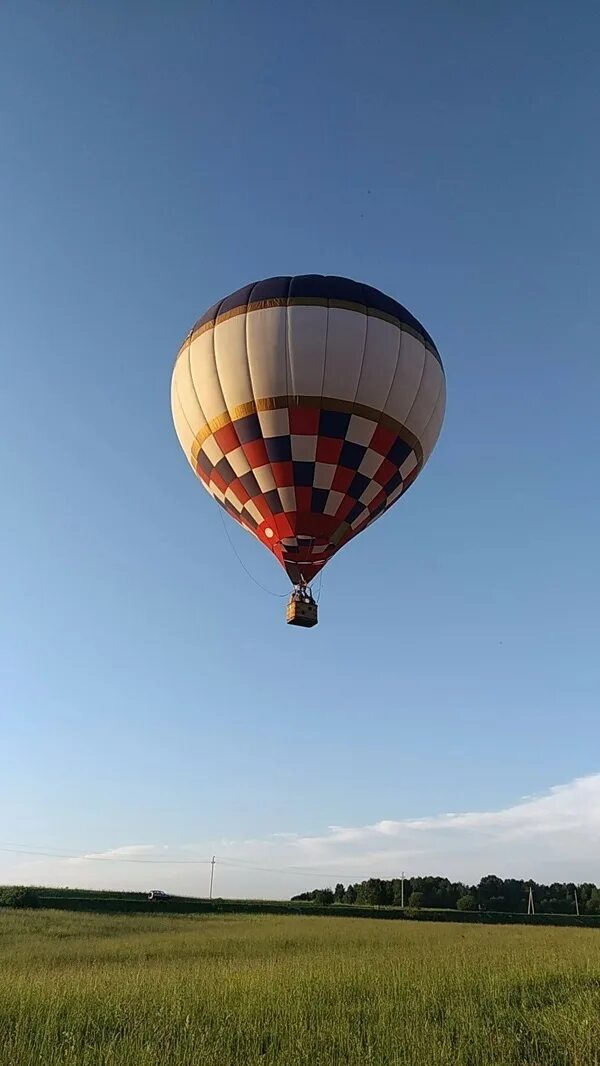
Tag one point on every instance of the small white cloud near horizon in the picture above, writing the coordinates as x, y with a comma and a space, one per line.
553, 836
124, 853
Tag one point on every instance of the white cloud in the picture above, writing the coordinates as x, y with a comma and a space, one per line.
123, 854
553, 836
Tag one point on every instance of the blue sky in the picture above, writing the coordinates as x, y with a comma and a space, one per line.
155, 160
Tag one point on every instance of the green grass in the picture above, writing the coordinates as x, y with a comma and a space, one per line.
133, 990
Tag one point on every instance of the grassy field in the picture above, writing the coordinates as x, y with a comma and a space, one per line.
234, 991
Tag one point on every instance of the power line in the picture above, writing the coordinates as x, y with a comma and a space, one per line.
298, 871
242, 864
48, 854
265, 869
104, 858
45, 848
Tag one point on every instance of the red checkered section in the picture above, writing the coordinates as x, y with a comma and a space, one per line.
305, 480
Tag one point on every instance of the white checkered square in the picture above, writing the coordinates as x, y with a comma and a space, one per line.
288, 499
212, 451
370, 463
253, 510
304, 448
333, 502
274, 423
360, 430
238, 462
232, 498
394, 495
264, 477
371, 491
408, 465
324, 475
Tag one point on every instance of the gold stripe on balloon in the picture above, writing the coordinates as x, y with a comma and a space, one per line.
308, 301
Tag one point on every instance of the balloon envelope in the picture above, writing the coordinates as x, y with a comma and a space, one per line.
307, 406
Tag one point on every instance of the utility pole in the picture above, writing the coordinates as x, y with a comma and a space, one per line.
402, 891
212, 876
530, 903
576, 902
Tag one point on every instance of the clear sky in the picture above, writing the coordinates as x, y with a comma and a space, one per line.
154, 158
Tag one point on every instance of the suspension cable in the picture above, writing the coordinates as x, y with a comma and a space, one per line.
277, 595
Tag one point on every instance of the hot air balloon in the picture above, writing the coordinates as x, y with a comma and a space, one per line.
307, 406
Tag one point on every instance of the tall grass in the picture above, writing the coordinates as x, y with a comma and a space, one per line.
238, 991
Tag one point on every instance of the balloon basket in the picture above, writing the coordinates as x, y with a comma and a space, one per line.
302, 609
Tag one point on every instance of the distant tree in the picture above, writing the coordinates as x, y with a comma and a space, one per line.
372, 893
556, 898
17, 896
585, 891
416, 900
514, 894
466, 903
323, 896
388, 891
490, 892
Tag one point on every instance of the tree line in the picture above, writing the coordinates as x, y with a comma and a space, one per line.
490, 894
